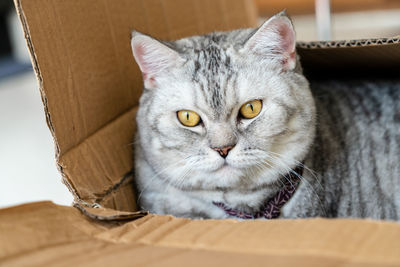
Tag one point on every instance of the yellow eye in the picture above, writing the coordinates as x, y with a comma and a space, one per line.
251, 109
188, 118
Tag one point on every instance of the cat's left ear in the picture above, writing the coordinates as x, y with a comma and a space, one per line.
153, 57
275, 39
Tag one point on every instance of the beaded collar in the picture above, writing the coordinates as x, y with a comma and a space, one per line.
272, 207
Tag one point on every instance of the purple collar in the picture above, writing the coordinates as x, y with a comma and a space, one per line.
272, 207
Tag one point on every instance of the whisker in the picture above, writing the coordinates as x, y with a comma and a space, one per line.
312, 172
159, 173
307, 183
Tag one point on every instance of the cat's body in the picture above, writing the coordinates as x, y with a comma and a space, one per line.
356, 152
223, 157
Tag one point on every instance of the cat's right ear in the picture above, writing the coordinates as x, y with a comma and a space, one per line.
153, 57
275, 39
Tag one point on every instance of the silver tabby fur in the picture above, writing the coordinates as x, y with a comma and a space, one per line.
347, 134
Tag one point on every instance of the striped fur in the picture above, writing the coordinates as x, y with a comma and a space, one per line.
356, 153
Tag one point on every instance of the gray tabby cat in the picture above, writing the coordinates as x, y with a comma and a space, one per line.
226, 116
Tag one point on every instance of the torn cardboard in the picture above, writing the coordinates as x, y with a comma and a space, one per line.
90, 86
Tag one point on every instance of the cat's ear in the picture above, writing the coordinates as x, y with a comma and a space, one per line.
153, 57
275, 39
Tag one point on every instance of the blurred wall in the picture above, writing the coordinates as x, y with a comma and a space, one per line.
267, 8
349, 19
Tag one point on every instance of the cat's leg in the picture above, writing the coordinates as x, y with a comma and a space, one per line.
178, 203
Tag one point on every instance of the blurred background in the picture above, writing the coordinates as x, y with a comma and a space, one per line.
27, 165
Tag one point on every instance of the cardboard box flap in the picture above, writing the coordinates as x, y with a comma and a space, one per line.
366, 57
351, 239
167, 241
102, 163
90, 83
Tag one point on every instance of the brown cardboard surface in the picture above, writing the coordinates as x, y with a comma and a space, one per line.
102, 159
61, 236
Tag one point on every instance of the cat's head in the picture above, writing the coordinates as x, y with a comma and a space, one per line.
224, 109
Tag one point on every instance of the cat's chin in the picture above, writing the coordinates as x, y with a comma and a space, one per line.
228, 172
225, 169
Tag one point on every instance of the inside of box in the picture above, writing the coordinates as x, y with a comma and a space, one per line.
90, 83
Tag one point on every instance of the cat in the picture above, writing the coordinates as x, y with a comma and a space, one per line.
228, 127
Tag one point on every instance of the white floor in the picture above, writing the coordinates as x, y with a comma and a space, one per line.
27, 166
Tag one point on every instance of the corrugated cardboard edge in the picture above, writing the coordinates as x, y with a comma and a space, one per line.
348, 43
97, 212
92, 210
103, 214
84, 182
36, 68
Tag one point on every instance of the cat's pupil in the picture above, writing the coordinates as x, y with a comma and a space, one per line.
251, 106
187, 115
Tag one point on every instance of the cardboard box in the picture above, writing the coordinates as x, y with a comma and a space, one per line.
90, 86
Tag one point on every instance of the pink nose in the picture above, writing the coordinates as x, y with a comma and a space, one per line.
223, 151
